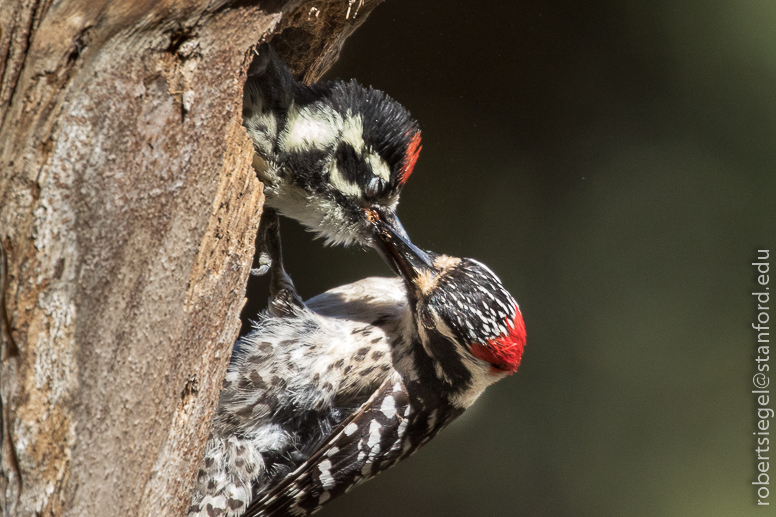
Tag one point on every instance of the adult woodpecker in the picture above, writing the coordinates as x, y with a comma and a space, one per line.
322, 396
328, 151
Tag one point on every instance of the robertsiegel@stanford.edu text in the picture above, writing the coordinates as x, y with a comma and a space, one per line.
761, 379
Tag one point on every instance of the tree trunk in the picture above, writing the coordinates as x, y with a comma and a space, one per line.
128, 213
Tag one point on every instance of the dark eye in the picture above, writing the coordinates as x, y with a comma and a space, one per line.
374, 187
426, 318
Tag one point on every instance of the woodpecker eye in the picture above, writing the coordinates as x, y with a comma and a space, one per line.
374, 188
426, 318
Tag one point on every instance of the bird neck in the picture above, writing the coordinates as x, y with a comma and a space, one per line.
437, 372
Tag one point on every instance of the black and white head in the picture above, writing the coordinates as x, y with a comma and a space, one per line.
469, 325
328, 151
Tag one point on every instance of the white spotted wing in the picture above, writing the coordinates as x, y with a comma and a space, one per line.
367, 442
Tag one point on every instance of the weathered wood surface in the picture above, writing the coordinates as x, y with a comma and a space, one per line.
128, 213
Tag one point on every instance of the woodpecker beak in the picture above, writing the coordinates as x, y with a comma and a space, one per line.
388, 219
395, 247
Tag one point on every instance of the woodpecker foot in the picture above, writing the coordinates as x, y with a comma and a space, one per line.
259, 271
284, 300
265, 262
268, 247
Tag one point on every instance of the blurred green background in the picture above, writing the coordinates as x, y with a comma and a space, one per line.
615, 164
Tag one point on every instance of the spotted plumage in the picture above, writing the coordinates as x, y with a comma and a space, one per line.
327, 151
286, 391
322, 396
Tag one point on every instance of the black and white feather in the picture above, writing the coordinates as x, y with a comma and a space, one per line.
327, 152
321, 397
294, 385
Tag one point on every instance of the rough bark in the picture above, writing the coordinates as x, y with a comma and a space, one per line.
128, 213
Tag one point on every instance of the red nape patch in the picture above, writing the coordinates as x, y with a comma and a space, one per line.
504, 352
410, 157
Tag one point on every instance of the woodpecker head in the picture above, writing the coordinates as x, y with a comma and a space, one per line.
363, 145
328, 151
468, 323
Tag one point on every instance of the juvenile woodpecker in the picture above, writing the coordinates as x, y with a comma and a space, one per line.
322, 396
327, 151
